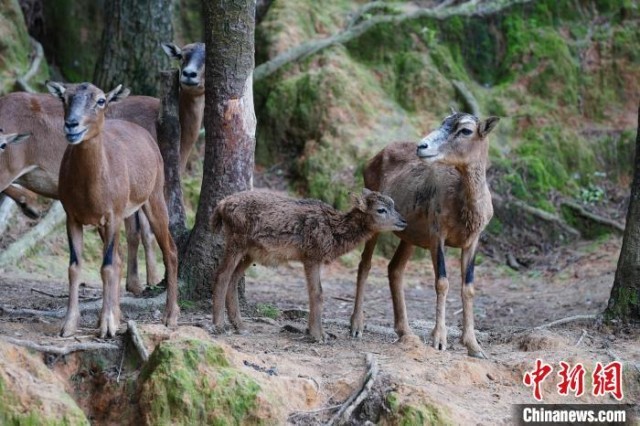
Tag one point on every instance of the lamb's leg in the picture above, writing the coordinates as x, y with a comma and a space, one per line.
439, 333
156, 211
468, 333
74, 234
357, 318
314, 287
396, 273
133, 241
233, 305
110, 273
149, 254
221, 282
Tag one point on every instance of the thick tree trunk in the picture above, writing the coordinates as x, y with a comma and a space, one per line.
624, 302
130, 52
230, 125
168, 128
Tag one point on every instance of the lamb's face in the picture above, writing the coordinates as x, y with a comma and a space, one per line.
382, 211
11, 138
460, 139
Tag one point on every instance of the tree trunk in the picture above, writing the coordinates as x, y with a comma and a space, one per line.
230, 125
130, 50
168, 127
624, 302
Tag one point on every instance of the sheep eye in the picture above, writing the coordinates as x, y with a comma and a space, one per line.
466, 132
3, 146
101, 102
382, 211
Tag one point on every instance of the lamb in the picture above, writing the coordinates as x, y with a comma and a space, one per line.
271, 229
443, 193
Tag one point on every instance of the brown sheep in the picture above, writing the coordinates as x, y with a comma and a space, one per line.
443, 193
271, 229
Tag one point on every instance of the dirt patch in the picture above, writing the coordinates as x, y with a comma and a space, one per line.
415, 380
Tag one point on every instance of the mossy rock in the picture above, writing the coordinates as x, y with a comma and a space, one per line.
191, 382
408, 413
30, 394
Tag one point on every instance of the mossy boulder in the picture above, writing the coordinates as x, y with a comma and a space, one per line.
191, 381
30, 394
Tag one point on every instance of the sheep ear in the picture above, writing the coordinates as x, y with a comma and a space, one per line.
17, 137
486, 126
172, 50
358, 201
117, 94
56, 89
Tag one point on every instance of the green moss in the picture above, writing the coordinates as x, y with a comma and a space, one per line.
404, 414
267, 310
191, 381
14, 45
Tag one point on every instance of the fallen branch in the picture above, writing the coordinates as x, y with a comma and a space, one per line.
31, 239
61, 350
603, 221
344, 413
584, 333
419, 326
309, 48
137, 341
565, 321
23, 82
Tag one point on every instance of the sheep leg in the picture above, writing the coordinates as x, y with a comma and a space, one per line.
468, 338
149, 253
439, 333
74, 234
133, 241
396, 274
233, 305
156, 211
110, 273
221, 282
357, 318
314, 287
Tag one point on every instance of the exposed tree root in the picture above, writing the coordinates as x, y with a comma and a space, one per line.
8, 209
344, 413
603, 221
137, 341
309, 48
61, 350
23, 82
470, 102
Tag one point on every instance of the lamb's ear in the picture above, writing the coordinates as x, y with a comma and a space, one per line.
56, 89
358, 201
172, 50
117, 94
486, 126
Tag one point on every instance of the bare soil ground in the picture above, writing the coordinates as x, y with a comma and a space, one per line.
576, 280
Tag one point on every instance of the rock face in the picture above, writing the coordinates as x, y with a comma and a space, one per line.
15, 47
31, 394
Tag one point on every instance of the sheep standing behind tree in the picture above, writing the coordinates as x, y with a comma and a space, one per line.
271, 229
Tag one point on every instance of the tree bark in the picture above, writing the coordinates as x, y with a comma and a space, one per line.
131, 40
168, 128
230, 125
624, 302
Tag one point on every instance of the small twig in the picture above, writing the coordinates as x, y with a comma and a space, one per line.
584, 333
344, 299
64, 350
317, 410
566, 320
137, 341
344, 413
57, 296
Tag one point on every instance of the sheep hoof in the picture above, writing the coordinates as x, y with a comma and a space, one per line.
477, 354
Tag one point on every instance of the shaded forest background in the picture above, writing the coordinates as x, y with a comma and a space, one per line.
563, 75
